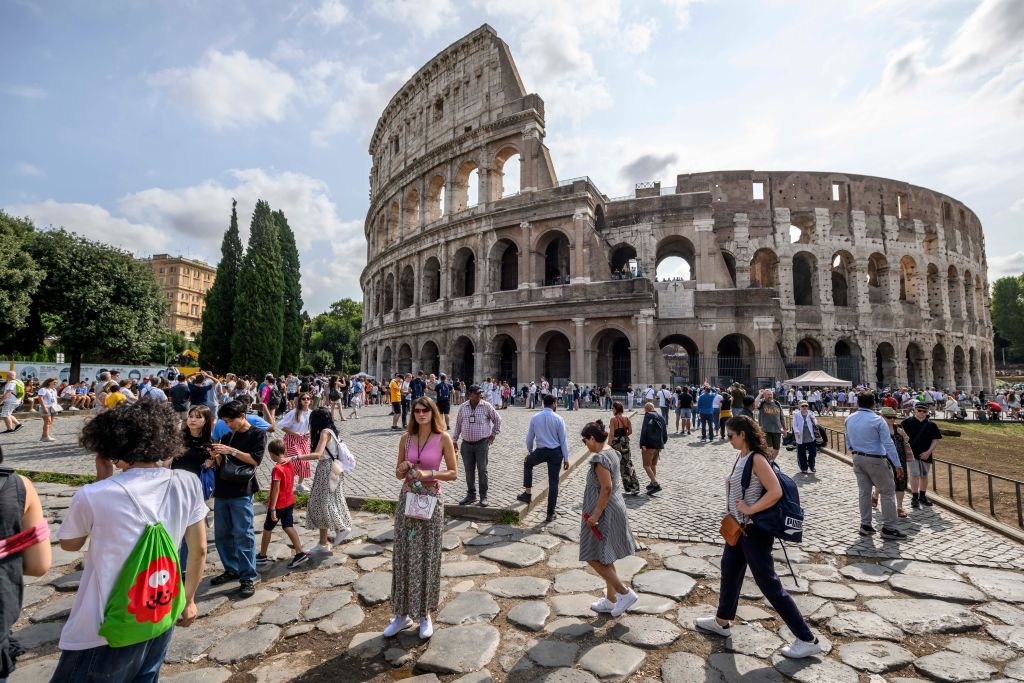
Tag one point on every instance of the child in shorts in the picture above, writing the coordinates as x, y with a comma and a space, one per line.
281, 506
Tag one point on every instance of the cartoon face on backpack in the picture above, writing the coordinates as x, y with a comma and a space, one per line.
155, 587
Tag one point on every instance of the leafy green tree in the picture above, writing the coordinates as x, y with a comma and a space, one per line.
20, 276
336, 332
1008, 313
291, 341
110, 310
259, 297
219, 316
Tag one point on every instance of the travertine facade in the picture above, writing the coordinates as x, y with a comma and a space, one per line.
875, 280
184, 283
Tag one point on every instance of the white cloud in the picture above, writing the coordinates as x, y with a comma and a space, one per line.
1002, 266
636, 37
330, 14
228, 90
27, 92
94, 222
355, 102
288, 51
681, 9
422, 16
993, 31
1018, 206
27, 169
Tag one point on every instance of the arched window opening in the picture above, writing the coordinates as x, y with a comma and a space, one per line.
431, 280
508, 266
682, 359
389, 293
801, 229
435, 199
848, 361
393, 227
556, 261
764, 269
430, 358
507, 354
960, 375
805, 279
411, 211
915, 366
908, 280
466, 187
404, 359
463, 360
940, 380
878, 279
954, 292
557, 358
730, 266
407, 286
508, 169
613, 360
735, 361
808, 356
885, 366
934, 291
464, 273
624, 264
675, 259
841, 271
386, 367
969, 295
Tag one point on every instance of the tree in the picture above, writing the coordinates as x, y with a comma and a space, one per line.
336, 332
291, 341
1008, 313
111, 309
259, 296
20, 276
219, 316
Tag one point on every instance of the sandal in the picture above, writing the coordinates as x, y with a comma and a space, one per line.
874, 500
900, 512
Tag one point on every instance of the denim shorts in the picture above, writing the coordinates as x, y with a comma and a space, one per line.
918, 468
685, 413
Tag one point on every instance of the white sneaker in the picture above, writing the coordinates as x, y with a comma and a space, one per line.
319, 549
427, 628
74, 408
711, 624
801, 648
342, 536
603, 606
399, 623
624, 602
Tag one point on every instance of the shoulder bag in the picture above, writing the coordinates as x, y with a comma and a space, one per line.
731, 530
234, 470
418, 505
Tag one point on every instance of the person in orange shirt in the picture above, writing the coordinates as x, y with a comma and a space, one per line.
395, 389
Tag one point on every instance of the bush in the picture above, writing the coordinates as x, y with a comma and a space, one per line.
378, 506
306, 369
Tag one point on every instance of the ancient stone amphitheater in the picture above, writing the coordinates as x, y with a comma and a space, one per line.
477, 273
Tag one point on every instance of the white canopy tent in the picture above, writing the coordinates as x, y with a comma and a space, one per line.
817, 378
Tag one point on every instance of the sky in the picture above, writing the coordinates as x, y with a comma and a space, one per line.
136, 122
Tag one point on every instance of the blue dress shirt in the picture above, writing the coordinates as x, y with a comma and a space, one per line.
547, 430
866, 432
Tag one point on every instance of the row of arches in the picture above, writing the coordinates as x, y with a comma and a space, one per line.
447, 193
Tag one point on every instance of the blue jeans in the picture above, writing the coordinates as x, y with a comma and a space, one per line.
234, 537
707, 426
715, 420
139, 663
553, 458
754, 549
805, 455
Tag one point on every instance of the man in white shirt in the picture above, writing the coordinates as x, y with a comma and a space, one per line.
10, 401
664, 401
532, 393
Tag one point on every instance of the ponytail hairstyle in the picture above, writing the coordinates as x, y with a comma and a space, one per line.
753, 436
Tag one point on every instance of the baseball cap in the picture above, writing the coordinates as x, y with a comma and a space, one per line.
921, 404
887, 412
804, 403
475, 389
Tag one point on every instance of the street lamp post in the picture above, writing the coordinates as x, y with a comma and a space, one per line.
164, 345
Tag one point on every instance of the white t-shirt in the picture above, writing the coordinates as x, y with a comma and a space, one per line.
48, 396
104, 512
13, 388
664, 396
291, 420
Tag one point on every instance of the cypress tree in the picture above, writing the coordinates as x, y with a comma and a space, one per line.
219, 316
259, 299
291, 342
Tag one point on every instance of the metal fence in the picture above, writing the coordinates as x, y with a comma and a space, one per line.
989, 494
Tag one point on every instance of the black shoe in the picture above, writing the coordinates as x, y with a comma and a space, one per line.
925, 501
892, 533
915, 503
813, 471
866, 530
468, 499
301, 558
223, 578
262, 560
484, 503
19, 426
524, 497
247, 589
651, 490
550, 518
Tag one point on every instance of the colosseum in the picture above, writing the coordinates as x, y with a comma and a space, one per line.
876, 281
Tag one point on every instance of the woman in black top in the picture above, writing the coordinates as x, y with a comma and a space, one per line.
197, 430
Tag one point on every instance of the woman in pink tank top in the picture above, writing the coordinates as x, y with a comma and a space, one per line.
416, 556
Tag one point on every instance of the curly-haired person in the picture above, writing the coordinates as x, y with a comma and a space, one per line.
112, 515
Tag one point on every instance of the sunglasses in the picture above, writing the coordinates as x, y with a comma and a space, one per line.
421, 410
920, 410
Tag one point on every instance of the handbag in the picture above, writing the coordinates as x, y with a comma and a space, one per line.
234, 470
731, 530
419, 505
208, 478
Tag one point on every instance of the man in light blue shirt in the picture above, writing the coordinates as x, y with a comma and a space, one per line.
546, 442
868, 438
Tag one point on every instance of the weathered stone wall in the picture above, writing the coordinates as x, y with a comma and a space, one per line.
876, 280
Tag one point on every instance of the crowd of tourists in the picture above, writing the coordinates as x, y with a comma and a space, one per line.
166, 447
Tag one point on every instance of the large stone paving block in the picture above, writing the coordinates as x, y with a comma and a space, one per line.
468, 608
578, 581
664, 582
864, 625
518, 587
373, 588
460, 649
552, 653
646, 632
815, 670
737, 668
467, 568
875, 656
530, 614
612, 661
517, 555
284, 667
575, 605
997, 584
940, 589
242, 645
752, 639
685, 667
924, 616
189, 644
953, 667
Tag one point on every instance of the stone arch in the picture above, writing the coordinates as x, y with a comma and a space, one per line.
885, 366
555, 356
916, 366
805, 279
843, 280
954, 293
431, 280
848, 360
676, 247
389, 293
801, 228
969, 295
878, 279
464, 273
406, 288
507, 176
411, 212
613, 361
506, 353
435, 199
386, 363
466, 187
554, 254
393, 224
974, 368
979, 298
430, 358
404, 360
682, 357
960, 375
934, 291
808, 355
380, 233
730, 266
505, 265
764, 269
908, 280
463, 359
939, 364
735, 360
374, 368
621, 256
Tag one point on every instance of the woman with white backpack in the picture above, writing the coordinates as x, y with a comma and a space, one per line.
327, 510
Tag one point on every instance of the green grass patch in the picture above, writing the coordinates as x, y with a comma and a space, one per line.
380, 507
508, 517
58, 477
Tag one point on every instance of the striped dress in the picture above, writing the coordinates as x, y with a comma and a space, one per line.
734, 488
298, 443
616, 535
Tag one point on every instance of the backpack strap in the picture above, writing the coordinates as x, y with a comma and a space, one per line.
146, 518
748, 471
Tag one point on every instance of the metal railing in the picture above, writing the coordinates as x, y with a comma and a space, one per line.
999, 498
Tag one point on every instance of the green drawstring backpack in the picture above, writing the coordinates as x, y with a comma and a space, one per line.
148, 597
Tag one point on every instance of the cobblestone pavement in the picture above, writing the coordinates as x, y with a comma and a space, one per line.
515, 608
692, 501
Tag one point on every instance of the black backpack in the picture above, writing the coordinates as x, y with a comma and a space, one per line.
655, 432
274, 398
444, 391
785, 519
